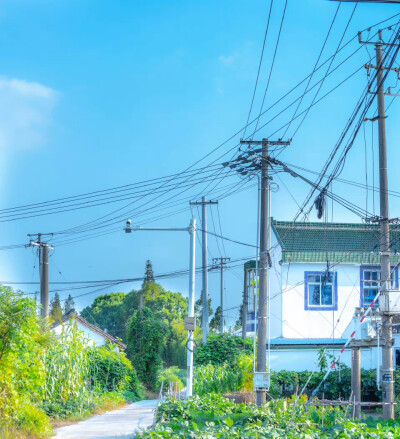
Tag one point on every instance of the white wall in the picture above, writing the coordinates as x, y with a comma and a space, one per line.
301, 323
298, 360
275, 288
95, 339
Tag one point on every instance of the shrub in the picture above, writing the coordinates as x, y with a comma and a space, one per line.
110, 370
222, 348
23, 340
146, 341
172, 376
224, 378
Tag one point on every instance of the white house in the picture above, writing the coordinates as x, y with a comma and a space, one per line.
321, 275
96, 336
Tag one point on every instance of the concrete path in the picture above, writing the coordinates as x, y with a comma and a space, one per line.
122, 423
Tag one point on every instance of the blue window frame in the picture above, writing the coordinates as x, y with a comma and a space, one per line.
370, 276
320, 291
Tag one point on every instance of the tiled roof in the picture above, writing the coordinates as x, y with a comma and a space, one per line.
336, 242
73, 315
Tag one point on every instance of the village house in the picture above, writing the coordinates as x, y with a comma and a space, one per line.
95, 335
321, 277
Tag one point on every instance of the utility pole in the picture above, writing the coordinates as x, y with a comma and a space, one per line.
190, 321
261, 380
44, 272
221, 263
356, 380
387, 378
204, 290
192, 278
245, 304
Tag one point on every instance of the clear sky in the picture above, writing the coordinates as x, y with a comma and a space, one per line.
97, 94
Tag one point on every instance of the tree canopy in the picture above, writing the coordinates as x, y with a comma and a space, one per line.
55, 308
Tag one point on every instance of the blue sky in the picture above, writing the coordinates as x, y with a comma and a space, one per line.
100, 94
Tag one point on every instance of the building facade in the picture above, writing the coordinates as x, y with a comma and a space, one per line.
321, 276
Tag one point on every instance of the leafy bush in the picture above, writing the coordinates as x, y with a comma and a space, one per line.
215, 417
110, 370
338, 384
224, 378
23, 340
222, 348
146, 341
172, 376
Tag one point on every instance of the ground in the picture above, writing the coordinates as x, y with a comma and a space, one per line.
121, 423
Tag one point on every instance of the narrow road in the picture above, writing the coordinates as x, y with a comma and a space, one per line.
122, 423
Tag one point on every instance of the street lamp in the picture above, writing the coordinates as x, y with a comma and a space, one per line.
190, 320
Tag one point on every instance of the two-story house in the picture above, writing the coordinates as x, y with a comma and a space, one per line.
321, 274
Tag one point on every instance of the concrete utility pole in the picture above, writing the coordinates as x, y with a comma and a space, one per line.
387, 352
262, 377
44, 272
192, 277
387, 378
44, 279
190, 321
221, 263
356, 379
204, 290
245, 304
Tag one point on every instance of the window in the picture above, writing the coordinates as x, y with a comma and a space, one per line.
320, 290
370, 283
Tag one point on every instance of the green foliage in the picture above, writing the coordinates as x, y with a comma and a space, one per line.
212, 416
67, 364
222, 348
55, 308
224, 378
198, 311
172, 376
337, 385
149, 274
110, 370
146, 340
42, 374
108, 312
22, 344
69, 304
215, 322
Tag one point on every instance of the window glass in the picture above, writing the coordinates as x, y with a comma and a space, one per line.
314, 296
320, 290
326, 295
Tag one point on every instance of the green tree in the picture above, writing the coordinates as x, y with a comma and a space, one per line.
69, 304
149, 274
56, 312
215, 322
147, 336
108, 312
198, 311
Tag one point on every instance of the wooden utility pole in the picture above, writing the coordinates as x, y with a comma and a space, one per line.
204, 291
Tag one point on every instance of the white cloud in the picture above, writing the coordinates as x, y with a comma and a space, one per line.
25, 113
